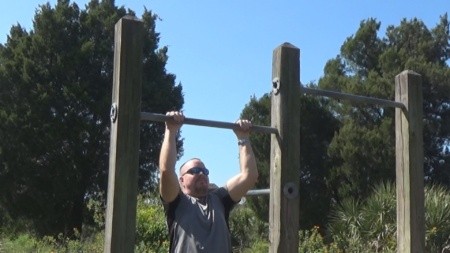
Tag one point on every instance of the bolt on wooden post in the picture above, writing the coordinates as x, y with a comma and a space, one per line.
124, 147
285, 150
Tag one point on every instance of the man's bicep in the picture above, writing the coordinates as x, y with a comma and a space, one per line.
238, 187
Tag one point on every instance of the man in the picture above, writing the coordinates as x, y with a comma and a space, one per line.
197, 216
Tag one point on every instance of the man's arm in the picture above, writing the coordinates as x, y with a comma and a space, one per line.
169, 187
246, 179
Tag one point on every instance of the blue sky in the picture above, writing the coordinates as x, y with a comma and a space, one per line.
221, 52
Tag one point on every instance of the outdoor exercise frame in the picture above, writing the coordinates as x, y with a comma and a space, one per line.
126, 116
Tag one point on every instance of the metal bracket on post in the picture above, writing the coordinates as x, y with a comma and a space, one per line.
290, 190
276, 86
113, 113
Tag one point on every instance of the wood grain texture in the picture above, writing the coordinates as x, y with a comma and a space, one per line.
124, 146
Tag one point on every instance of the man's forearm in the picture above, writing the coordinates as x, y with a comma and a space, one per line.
247, 159
168, 155
168, 184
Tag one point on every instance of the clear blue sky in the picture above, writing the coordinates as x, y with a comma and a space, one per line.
221, 52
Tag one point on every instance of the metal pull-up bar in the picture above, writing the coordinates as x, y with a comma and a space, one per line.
258, 192
355, 98
209, 123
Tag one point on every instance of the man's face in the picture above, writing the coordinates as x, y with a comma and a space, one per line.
193, 180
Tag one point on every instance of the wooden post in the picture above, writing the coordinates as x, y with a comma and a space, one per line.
285, 150
409, 163
124, 146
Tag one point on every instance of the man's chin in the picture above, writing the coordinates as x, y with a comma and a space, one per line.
203, 183
203, 186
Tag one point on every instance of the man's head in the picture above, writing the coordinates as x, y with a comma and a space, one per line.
194, 179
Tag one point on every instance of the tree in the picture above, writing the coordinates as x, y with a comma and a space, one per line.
55, 96
346, 148
363, 150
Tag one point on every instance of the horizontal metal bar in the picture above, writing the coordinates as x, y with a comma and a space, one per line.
209, 123
356, 98
258, 192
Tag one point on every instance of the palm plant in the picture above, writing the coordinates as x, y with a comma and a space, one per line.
379, 216
437, 218
346, 223
370, 225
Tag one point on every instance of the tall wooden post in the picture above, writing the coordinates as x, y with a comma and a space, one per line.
409, 163
124, 146
285, 150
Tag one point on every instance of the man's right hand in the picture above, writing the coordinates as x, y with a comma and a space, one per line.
176, 121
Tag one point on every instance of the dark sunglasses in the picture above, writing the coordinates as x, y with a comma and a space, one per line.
196, 171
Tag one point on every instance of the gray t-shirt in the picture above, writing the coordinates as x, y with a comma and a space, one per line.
200, 227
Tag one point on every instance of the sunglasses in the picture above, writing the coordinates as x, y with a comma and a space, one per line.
196, 171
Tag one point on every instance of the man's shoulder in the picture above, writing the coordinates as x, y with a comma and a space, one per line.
223, 196
173, 203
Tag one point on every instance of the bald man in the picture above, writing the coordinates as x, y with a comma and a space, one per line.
197, 215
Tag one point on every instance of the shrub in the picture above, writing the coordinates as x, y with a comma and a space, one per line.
151, 229
312, 241
246, 229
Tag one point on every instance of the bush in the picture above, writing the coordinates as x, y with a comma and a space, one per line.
246, 229
23, 243
151, 235
312, 241
29, 243
151, 230
258, 246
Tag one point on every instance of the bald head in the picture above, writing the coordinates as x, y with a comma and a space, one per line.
193, 184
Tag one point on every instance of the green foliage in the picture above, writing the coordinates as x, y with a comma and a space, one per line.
370, 225
360, 147
151, 235
151, 229
356, 226
437, 217
95, 210
55, 96
29, 243
346, 147
312, 241
251, 235
258, 110
258, 246
23, 243
309, 241
362, 151
316, 132
246, 228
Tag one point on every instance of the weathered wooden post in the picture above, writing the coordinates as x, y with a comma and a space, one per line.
409, 163
124, 146
285, 150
